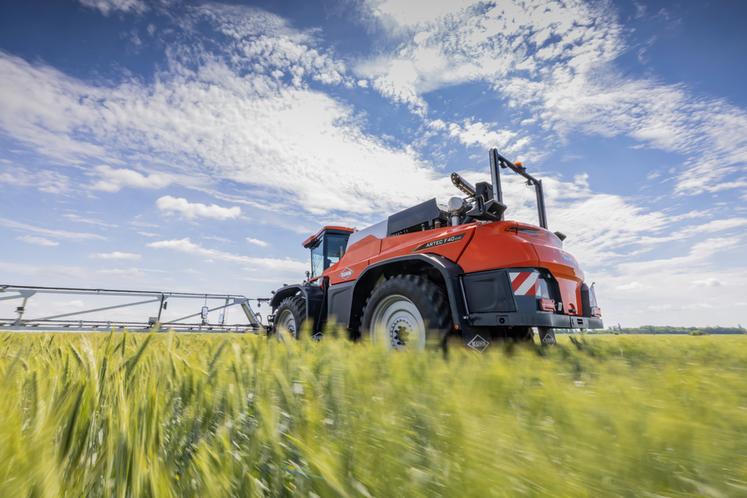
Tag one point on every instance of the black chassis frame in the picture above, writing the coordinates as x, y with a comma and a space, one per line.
509, 310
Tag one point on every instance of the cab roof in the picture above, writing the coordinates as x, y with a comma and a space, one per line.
329, 228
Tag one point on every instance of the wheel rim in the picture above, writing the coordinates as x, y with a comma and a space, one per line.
287, 321
397, 323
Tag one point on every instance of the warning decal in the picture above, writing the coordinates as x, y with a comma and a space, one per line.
524, 283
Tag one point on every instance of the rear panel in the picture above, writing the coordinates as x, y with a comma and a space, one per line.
517, 245
561, 264
494, 247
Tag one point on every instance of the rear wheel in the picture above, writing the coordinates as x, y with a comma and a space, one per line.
290, 315
407, 312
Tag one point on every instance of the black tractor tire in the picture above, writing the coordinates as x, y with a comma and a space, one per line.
296, 307
429, 299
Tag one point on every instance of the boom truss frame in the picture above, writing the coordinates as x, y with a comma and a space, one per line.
71, 321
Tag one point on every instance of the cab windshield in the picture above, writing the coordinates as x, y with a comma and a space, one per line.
317, 259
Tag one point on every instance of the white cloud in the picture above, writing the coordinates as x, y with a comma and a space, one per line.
257, 242
397, 79
187, 246
486, 136
700, 253
693, 230
707, 282
555, 60
268, 44
113, 180
139, 223
48, 232
248, 129
713, 226
37, 241
48, 181
690, 288
107, 7
116, 255
217, 238
706, 131
398, 14
630, 286
192, 210
86, 220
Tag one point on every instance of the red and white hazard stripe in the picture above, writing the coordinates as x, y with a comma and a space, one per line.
524, 283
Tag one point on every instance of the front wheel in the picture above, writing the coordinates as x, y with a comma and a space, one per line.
290, 315
407, 312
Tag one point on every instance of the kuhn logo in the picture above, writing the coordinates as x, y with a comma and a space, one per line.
478, 343
440, 242
345, 273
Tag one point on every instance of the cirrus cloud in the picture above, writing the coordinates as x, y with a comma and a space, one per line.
192, 210
117, 255
37, 241
186, 246
555, 60
113, 179
107, 7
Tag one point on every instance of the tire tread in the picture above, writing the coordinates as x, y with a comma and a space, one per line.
439, 322
297, 306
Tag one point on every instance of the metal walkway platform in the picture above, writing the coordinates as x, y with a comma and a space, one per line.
71, 321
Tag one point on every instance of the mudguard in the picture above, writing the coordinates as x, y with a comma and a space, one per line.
313, 295
351, 295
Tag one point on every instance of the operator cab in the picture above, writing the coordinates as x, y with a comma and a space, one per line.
327, 247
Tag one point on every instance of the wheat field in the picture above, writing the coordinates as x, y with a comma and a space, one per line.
161, 415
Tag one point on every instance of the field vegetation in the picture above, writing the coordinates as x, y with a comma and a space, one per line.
658, 329
164, 415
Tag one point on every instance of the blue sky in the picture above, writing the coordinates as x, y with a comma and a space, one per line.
193, 146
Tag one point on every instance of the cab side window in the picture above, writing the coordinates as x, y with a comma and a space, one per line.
336, 245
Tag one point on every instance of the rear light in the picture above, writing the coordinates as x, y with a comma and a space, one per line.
546, 304
542, 291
